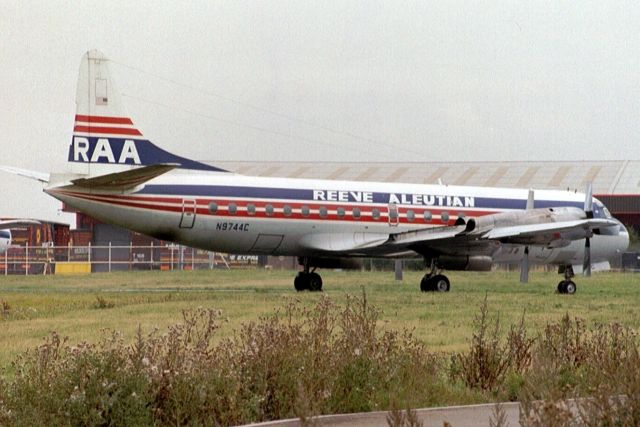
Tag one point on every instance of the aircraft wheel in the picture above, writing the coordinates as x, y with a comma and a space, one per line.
301, 281
570, 287
426, 284
561, 287
315, 282
441, 283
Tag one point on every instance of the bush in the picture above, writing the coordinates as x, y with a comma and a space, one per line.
298, 362
303, 361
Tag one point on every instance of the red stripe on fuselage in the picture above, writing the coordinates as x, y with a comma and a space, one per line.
103, 119
107, 130
202, 208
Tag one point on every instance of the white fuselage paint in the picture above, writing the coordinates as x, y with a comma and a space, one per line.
5, 240
280, 216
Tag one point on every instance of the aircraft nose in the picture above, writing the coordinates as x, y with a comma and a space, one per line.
623, 236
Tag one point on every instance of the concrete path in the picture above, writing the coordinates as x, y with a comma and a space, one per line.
456, 416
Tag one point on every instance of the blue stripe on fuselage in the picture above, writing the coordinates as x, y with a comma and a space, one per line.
303, 195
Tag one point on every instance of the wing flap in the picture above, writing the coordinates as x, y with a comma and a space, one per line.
127, 180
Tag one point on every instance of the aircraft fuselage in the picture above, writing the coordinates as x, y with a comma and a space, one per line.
300, 217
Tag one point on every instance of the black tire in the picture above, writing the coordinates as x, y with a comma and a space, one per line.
301, 282
426, 284
570, 287
440, 283
315, 282
561, 287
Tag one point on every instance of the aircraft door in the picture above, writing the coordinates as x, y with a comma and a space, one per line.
394, 216
188, 213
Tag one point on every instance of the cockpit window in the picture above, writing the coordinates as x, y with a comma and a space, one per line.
600, 210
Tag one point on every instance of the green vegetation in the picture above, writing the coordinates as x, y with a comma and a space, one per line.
242, 346
32, 307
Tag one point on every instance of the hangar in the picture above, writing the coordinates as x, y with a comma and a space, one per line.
616, 183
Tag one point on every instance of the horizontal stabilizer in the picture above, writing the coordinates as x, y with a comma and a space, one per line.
10, 223
127, 180
38, 176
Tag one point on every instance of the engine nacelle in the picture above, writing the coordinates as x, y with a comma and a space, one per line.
465, 263
533, 216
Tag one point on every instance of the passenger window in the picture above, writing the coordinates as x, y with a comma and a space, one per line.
356, 213
305, 210
268, 210
411, 216
251, 209
323, 212
213, 207
286, 210
427, 215
375, 213
340, 212
444, 216
232, 208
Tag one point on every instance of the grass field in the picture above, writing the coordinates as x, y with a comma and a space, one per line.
80, 306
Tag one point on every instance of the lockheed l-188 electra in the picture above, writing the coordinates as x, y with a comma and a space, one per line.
118, 176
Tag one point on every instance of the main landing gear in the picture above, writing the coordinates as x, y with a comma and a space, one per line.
434, 280
567, 286
307, 280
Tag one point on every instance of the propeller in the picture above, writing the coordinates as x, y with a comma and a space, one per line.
524, 264
588, 210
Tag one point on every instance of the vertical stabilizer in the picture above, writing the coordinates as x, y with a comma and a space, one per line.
105, 140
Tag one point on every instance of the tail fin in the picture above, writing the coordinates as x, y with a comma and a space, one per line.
105, 139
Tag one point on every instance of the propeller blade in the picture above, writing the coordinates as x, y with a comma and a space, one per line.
588, 201
524, 266
586, 264
530, 200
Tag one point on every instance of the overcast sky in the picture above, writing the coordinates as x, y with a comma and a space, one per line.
326, 81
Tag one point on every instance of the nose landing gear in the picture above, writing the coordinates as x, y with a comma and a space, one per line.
567, 286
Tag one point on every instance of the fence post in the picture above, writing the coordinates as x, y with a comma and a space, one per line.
26, 260
109, 257
6, 264
151, 266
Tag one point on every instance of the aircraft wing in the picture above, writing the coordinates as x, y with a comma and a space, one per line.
458, 239
17, 223
454, 239
547, 232
343, 242
127, 180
